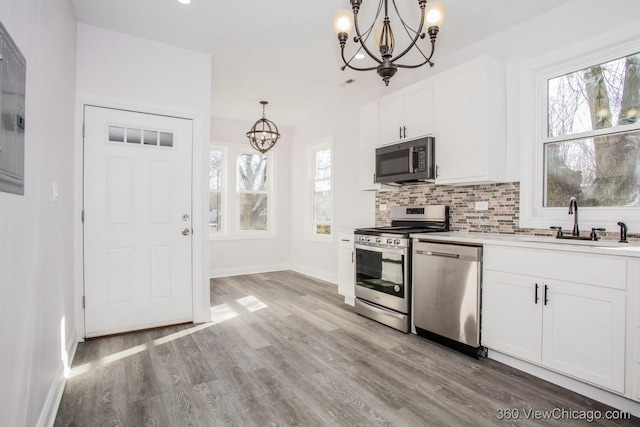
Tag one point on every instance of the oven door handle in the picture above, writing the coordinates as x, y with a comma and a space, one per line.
381, 311
382, 250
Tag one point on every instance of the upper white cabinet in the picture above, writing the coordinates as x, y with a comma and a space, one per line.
369, 141
469, 122
564, 311
407, 114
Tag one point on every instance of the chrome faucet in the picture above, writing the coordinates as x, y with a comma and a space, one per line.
573, 210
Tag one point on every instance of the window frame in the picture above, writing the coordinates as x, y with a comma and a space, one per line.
223, 190
310, 222
230, 210
534, 135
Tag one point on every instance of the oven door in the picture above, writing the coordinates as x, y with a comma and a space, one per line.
382, 276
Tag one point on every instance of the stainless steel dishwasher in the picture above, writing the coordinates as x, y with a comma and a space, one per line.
446, 281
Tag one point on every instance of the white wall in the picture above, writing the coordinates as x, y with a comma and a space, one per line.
150, 76
36, 235
351, 207
229, 256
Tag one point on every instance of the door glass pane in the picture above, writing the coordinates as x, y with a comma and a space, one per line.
150, 137
166, 139
253, 211
116, 134
134, 136
252, 172
596, 97
598, 171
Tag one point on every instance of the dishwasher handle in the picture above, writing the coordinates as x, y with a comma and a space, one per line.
443, 254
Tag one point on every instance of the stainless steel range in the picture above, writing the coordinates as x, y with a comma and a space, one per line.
383, 263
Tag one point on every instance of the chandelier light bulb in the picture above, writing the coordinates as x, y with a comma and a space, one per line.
343, 21
434, 14
184, 1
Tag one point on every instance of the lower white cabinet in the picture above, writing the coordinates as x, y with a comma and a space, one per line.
346, 268
583, 333
573, 328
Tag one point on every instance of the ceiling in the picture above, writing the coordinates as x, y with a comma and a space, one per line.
285, 51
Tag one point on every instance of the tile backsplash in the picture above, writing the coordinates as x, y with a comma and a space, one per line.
501, 216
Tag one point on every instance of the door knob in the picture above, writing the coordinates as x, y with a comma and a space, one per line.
185, 232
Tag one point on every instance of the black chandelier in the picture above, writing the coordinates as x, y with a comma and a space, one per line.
263, 135
431, 16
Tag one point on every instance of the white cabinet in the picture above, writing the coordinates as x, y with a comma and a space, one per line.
583, 333
573, 327
368, 142
346, 268
511, 319
407, 114
469, 122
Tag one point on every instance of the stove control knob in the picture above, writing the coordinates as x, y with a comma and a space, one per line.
389, 241
368, 239
397, 241
378, 240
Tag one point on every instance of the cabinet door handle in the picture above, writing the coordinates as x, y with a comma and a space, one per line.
546, 289
536, 298
400, 132
404, 131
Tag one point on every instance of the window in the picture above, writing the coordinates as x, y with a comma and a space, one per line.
252, 192
321, 188
241, 193
581, 134
588, 152
217, 160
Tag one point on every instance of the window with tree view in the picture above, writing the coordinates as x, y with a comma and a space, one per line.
216, 174
592, 146
252, 192
321, 189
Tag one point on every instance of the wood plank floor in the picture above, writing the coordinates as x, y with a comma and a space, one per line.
284, 350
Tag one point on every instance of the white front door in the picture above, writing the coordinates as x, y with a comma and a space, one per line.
137, 220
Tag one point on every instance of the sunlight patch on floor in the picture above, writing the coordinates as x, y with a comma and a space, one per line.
251, 303
219, 314
107, 360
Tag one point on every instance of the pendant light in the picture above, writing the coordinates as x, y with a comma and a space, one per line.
430, 19
263, 135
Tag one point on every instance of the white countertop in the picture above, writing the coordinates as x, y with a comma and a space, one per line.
605, 247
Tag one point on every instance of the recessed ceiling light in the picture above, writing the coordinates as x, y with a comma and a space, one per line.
359, 55
185, 1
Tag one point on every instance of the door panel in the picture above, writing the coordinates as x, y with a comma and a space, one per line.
137, 202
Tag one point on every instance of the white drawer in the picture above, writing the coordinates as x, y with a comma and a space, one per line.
591, 269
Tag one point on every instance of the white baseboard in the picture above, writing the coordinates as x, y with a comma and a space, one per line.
50, 409
250, 269
608, 398
315, 273
256, 269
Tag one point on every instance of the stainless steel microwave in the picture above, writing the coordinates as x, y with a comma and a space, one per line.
410, 161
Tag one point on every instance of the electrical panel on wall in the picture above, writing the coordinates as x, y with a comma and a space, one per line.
12, 96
